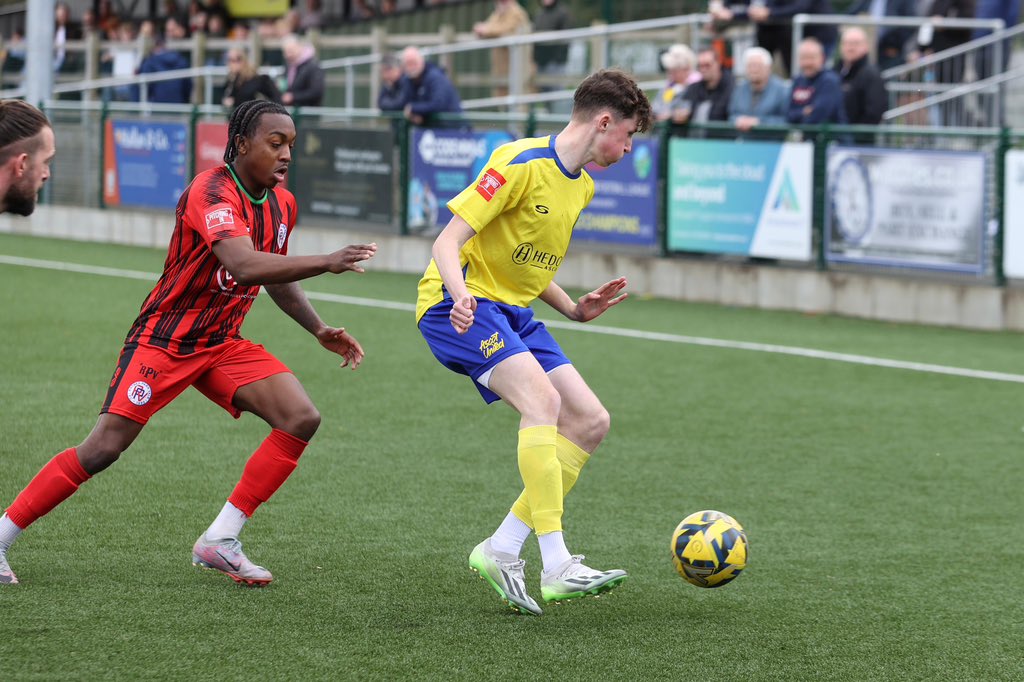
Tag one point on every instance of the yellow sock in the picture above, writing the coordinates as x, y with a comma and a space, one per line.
571, 459
542, 476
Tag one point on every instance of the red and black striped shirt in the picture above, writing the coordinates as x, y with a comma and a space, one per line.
196, 303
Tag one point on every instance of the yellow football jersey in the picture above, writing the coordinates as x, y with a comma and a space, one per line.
523, 207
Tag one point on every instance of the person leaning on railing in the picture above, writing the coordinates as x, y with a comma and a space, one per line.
762, 98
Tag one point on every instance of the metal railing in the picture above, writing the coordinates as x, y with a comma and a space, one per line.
443, 44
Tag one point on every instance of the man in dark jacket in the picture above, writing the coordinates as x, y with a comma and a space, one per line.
892, 40
817, 94
394, 87
864, 93
708, 98
177, 91
304, 76
431, 93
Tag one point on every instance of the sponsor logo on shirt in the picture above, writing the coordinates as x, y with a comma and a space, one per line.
489, 184
222, 217
140, 393
526, 254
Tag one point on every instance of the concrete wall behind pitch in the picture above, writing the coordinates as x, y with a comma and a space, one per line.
872, 296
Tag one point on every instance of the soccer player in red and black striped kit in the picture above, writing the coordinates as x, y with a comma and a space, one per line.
230, 237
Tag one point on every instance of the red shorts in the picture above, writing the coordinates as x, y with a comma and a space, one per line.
147, 377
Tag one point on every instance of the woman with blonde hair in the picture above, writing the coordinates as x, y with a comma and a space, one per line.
245, 83
679, 62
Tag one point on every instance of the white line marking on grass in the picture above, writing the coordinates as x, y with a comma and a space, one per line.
797, 351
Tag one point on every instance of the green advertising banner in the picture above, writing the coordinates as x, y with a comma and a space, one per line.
748, 198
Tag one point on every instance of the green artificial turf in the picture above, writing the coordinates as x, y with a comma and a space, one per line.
883, 506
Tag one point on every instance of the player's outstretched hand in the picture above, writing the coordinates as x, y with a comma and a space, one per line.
462, 312
344, 344
350, 257
600, 299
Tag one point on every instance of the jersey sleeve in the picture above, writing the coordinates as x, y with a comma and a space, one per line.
497, 189
214, 211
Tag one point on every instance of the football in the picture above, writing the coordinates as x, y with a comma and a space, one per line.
709, 548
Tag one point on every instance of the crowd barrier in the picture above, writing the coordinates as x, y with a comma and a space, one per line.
946, 203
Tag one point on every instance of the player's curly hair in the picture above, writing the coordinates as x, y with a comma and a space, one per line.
245, 120
616, 90
19, 122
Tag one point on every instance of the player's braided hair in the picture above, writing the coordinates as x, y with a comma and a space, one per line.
244, 121
19, 121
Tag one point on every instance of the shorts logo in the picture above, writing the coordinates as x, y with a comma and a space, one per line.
222, 217
489, 184
282, 235
140, 393
491, 345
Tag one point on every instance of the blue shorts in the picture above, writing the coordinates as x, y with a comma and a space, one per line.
499, 331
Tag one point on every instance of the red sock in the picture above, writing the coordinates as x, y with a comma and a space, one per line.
54, 483
274, 460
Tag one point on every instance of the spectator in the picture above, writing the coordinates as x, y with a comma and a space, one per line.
107, 20
817, 94
174, 29
708, 98
172, 9
305, 78
215, 26
216, 8
395, 90
431, 93
177, 91
88, 21
122, 59
508, 18
761, 99
952, 69
892, 40
196, 17
245, 83
312, 17
1009, 12
864, 94
678, 62
63, 31
774, 19
551, 58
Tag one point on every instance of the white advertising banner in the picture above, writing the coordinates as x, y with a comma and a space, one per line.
906, 208
1013, 214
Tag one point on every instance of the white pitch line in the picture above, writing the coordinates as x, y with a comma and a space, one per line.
796, 351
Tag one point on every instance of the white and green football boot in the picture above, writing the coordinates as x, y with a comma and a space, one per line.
573, 579
505, 576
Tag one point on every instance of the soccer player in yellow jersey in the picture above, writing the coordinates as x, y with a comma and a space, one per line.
508, 235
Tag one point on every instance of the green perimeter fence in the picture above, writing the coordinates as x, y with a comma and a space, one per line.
922, 201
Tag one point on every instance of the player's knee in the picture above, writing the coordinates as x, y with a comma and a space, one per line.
100, 453
303, 422
548, 405
599, 423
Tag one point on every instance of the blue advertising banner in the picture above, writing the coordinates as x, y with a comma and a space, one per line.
749, 198
146, 164
443, 164
624, 209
